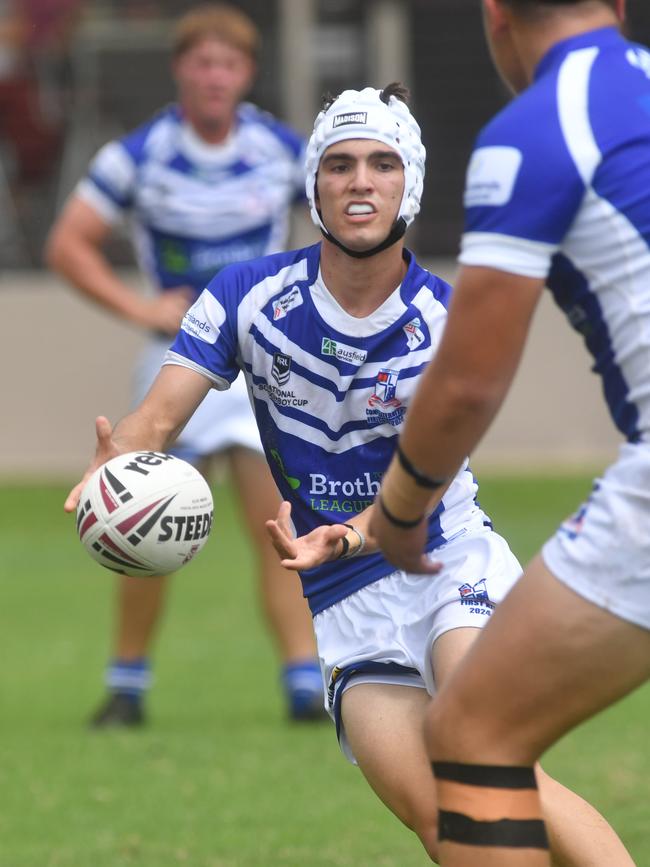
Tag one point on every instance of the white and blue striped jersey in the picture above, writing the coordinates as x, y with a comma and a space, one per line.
558, 187
329, 392
196, 207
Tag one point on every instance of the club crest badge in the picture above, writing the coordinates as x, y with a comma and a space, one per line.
385, 388
383, 405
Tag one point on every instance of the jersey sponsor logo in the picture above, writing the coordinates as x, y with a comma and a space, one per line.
476, 595
204, 318
174, 256
293, 482
346, 496
414, 336
383, 405
214, 257
350, 117
197, 327
491, 176
343, 352
287, 302
281, 368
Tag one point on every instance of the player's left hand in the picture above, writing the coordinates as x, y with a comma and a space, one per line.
403, 548
303, 552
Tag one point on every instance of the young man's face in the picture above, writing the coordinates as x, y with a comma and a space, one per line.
359, 185
212, 77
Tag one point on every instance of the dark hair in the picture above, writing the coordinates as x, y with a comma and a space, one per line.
395, 88
398, 90
528, 4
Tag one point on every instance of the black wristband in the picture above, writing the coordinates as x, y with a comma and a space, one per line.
419, 478
398, 522
344, 549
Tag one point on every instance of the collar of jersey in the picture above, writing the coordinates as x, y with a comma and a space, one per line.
554, 56
336, 317
196, 149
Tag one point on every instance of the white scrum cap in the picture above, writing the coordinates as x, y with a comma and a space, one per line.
363, 114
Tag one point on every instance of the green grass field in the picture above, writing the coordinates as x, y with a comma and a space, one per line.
219, 779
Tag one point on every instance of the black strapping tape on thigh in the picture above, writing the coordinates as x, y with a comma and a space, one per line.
506, 833
494, 776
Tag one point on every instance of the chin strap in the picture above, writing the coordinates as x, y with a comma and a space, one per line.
397, 232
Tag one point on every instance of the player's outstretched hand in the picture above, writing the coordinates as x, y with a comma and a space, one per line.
303, 552
105, 450
403, 548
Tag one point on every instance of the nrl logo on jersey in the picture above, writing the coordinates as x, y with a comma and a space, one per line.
414, 336
281, 368
286, 302
343, 352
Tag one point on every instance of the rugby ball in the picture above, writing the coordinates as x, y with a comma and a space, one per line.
144, 513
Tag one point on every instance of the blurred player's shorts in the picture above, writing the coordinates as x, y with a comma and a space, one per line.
602, 552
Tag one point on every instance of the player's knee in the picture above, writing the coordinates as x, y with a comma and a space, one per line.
426, 828
422, 819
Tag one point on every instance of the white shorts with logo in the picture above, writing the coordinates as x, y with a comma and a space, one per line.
223, 420
602, 552
384, 633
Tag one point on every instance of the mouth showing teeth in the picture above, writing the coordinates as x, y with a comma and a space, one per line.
360, 209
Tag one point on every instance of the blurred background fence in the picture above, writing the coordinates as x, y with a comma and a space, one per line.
88, 70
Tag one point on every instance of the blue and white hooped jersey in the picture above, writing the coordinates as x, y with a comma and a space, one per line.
558, 187
197, 207
329, 391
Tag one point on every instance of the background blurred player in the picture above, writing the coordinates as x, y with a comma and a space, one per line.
558, 193
207, 182
331, 379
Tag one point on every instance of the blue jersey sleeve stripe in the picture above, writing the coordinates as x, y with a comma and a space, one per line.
122, 202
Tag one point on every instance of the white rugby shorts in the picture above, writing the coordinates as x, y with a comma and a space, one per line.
223, 420
602, 552
384, 633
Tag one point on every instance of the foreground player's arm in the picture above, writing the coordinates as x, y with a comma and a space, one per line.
153, 426
74, 250
329, 542
456, 400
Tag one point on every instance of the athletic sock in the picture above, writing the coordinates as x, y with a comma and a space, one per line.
129, 677
491, 806
303, 685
